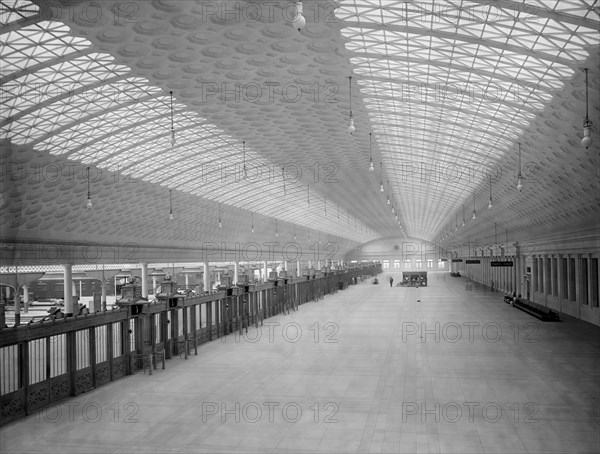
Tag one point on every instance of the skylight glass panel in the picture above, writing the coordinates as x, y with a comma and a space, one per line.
37, 43
15, 10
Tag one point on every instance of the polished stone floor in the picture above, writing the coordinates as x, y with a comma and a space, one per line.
369, 369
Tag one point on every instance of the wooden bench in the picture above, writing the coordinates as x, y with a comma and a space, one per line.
543, 313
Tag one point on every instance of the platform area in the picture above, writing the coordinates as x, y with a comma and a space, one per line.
372, 368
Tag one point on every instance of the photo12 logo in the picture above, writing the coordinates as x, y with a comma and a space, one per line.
273, 412
453, 332
453, 412
269, 92
90, 412
290, 332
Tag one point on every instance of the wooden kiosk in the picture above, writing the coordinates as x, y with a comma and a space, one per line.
414, 279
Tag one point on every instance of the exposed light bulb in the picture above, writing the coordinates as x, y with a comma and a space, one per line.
89, 203
474, 216
252, 229
463, 224
381, 188
299, 22
587, 139
371, 166
490, 204
172, 137
520, 184
388, 200
351, 127
220, 224
171, 218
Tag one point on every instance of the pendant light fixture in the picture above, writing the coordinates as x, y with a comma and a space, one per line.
371, 166
474, 213
463, 215
388, 190
294, 232
220, 223
172, 122
490, 202
519, 176
89, 197
299, 21
276, 231
456, 222
587, 124
252, 226
351, 127
244, 170
381, 176
171, 218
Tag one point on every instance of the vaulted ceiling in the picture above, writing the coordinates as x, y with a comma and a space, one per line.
255, 133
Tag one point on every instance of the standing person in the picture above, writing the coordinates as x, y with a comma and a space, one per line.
391, 281
513, 300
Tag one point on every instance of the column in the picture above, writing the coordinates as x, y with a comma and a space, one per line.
534, 277
206, 278
103, 296
570, 271
26, 298
154, 285
590, 282
68, 289
554, 273
235, 272
187, 281
578, 283
298, 271
265, 274
145, 280
17, 301
517, 266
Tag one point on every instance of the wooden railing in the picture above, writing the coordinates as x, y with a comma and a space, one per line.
45, 362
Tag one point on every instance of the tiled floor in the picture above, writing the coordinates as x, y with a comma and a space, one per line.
369, 369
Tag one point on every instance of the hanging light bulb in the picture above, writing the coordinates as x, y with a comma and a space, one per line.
474, 215
172, 122
299, 21
351, 127
587, 124
294, 232
490, 203
252, 222
244, 170
519, 176
381, 176
388, 190
220, 223
276, 232
371, 166
456, 223
171, 218
393, 210
89, 197
463, 224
